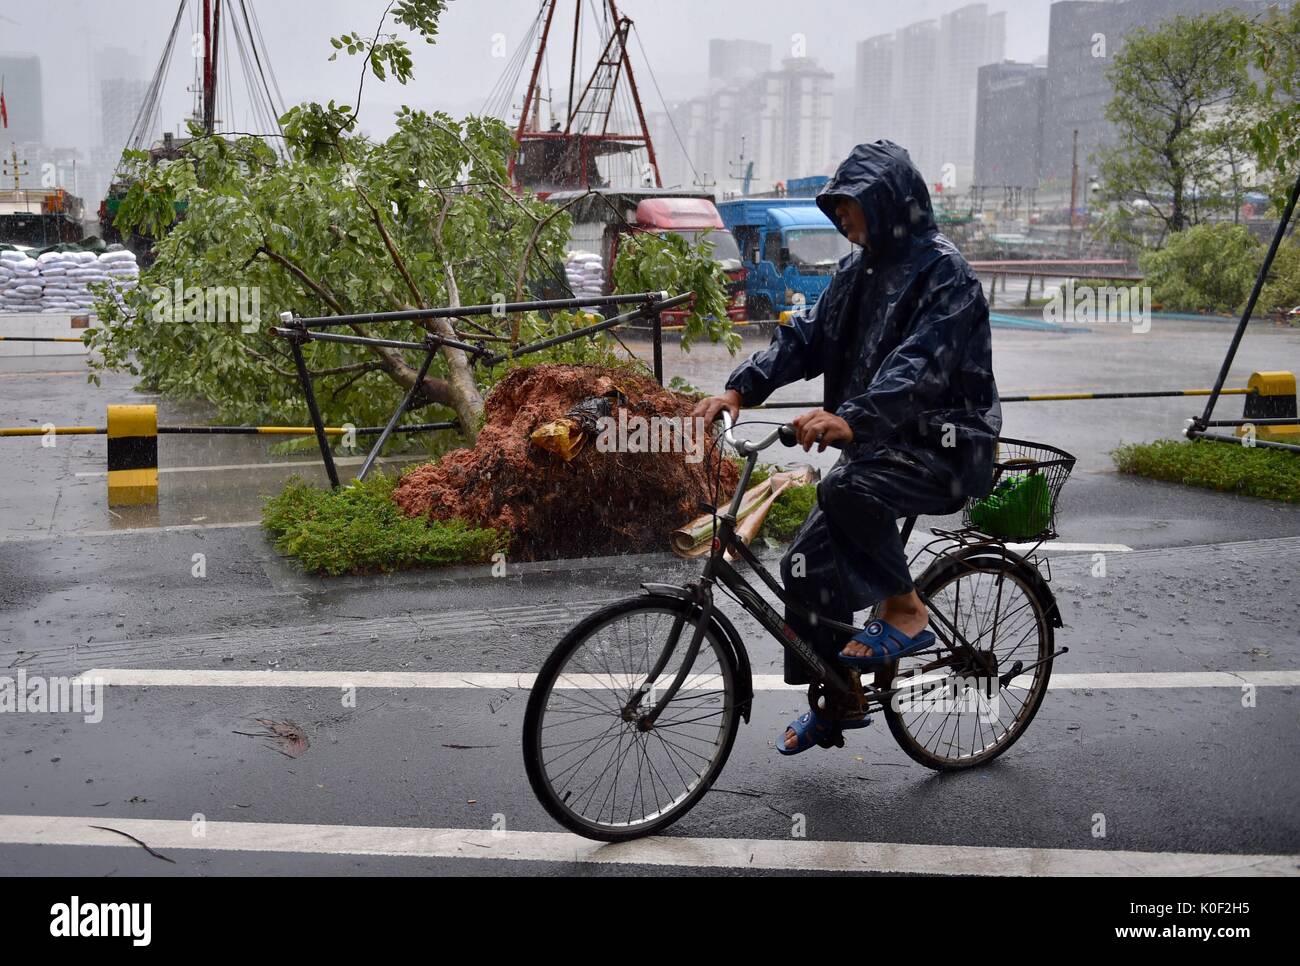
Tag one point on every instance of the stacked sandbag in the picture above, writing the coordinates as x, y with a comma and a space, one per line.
586, 274
60, 291
21, 286
121, 268
68, 283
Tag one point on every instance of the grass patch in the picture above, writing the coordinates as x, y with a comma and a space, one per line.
358, 529
1272, 474
789, 512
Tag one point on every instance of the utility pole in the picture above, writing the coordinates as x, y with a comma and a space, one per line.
1074, 184
15, 167
746, 167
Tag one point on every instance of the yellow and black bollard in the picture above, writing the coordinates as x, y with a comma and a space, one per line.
132, 455
1272, 396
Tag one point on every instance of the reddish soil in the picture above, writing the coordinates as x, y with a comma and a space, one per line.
598, 503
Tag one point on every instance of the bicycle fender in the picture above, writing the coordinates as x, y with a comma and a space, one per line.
727, 631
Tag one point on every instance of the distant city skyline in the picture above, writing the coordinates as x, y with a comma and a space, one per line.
456, 73
790, 88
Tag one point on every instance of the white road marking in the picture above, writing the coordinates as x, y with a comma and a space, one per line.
338, 461
42, 535
169, 836
464, 680
1057, 547
60, 534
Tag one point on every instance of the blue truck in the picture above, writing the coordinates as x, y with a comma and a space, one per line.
789, 250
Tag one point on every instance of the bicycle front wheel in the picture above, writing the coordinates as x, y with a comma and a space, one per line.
594, 767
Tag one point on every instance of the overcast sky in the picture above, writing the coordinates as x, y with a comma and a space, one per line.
457, 73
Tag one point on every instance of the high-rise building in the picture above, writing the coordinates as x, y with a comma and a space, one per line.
1010, 102
914, 90
120, 100
780, 120
794, 108
115, 94
682, 144
738, 60
873, 77
844, 130
969, 38
23, 99
917, 87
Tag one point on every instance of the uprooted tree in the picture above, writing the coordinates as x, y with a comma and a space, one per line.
337, 223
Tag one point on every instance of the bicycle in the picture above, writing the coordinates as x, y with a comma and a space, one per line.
672, 713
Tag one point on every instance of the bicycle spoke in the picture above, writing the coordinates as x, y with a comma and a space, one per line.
997, 616
599, 763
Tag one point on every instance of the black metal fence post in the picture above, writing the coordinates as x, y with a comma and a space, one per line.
305, 378
406, 402
659, 349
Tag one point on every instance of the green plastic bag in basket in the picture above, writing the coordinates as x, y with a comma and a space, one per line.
1019, 506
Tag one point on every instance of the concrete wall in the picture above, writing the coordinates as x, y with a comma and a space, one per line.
44, 325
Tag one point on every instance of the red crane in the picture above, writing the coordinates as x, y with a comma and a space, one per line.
605, 120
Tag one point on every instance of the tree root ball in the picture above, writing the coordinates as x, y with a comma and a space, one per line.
597, 503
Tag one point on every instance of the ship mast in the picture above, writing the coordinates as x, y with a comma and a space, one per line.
565, 156
211, 39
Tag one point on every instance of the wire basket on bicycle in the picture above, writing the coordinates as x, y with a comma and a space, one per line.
1027, 480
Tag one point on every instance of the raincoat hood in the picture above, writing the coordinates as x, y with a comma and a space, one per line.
881, 178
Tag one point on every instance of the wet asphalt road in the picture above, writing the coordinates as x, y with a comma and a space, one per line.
1210, 585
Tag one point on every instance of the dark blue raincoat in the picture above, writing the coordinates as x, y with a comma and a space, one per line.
901, 335
901, 340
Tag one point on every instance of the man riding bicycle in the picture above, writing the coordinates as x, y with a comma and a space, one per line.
901, 340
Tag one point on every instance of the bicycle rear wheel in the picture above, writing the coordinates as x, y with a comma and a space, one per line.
951, 711
592, 766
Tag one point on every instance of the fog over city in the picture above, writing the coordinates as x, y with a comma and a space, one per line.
85, 46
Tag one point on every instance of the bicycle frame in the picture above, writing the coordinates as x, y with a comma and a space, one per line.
718, 569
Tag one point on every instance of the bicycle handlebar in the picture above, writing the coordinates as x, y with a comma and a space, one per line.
785, 433
745, 448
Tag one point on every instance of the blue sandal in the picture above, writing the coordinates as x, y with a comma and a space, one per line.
887, 644
812, 729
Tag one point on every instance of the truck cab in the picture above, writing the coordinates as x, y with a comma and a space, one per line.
789, 251
603, 218
698, 221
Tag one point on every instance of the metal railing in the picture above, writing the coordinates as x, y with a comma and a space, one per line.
298, 331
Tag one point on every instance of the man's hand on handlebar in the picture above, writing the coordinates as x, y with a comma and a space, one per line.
822, 428
709, 409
